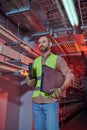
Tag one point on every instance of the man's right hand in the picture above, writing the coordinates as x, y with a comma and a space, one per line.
30, 82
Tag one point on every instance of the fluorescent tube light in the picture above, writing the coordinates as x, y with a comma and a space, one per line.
71, 12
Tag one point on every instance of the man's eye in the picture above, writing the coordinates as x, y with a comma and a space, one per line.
44, 41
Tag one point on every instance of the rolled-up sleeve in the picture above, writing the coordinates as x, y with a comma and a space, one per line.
64, 68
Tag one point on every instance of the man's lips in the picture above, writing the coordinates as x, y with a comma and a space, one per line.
42, 47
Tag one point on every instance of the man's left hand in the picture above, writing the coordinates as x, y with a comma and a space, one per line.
56, 92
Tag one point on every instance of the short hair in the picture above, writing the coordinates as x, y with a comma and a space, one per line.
49, 40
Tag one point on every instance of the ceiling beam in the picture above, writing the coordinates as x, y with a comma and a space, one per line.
18, 10
9, 37
12, 54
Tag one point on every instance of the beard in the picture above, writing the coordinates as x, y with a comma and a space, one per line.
44, 49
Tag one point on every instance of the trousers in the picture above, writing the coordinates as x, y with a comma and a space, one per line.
45, 116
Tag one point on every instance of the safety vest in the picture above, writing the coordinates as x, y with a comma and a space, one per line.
37, 69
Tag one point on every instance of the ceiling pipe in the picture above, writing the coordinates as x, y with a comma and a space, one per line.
13, 43
18, 10
40, 34
34, 23
21, 9
71, 54
56, 30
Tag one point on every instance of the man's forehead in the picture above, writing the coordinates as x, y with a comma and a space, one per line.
43, 38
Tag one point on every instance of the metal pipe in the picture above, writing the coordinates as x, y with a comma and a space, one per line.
54, 31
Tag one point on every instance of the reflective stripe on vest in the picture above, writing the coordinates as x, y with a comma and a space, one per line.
39, 78
37, 88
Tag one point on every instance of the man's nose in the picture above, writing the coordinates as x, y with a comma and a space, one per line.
41, 43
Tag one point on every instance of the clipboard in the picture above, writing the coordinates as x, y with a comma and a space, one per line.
51, 78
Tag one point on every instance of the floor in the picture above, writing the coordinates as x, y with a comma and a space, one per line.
79, 122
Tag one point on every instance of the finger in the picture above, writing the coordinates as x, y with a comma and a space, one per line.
52, 95
33, 82
55, 95
52, 90
33, 79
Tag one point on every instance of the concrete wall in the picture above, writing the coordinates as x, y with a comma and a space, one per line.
15, 106
9, 105
25, 115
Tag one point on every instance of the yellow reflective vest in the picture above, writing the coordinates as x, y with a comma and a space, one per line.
37, 71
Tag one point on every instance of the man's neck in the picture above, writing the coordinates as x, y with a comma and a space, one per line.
46, 53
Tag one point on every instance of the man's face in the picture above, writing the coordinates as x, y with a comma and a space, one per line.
44, 44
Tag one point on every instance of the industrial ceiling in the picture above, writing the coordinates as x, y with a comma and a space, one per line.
33, 18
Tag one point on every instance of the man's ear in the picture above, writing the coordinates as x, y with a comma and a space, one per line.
50, 44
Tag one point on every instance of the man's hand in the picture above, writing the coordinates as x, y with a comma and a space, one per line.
30, 82
56, 92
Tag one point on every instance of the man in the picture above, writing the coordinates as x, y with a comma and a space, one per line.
45, 106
